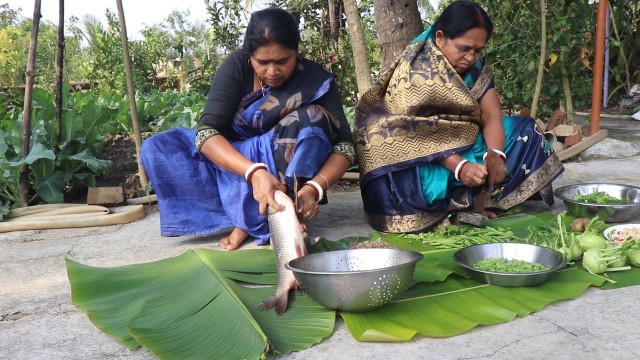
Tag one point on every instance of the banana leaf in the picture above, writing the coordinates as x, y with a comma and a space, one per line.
458, 304
184, 307
203, 303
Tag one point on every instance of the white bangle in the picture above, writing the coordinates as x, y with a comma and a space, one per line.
318, 189
253, 167
502, 155
456, 173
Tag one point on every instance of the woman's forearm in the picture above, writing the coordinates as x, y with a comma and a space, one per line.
219, 151
492, 128
332, 170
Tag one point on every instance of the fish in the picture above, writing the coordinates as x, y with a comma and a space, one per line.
288, 243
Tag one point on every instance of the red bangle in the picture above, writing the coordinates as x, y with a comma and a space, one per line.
252, 169
315, 191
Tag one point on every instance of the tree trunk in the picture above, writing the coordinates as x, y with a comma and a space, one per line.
28, 93
334, 22
59, 73
625, 61
397, 22
566, 86
543, 57
358, 45
131, 93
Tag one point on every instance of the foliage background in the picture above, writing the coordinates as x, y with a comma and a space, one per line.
175, 60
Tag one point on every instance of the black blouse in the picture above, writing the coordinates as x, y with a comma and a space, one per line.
234, 80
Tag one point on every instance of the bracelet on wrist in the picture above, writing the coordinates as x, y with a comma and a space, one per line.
325, 181
317, 189
248, 174
459, 167
502, 155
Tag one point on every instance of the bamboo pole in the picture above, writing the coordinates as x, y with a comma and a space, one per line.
23, 183
598, 68
59, 74
131, 92
358, 46
543, 58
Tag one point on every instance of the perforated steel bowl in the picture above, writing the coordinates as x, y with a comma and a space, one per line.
355, 280
611, 213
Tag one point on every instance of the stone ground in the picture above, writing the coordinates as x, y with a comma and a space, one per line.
38, 321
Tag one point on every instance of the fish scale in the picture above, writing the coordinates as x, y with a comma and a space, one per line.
287, 242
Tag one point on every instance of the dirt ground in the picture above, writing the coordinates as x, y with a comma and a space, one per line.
121, 150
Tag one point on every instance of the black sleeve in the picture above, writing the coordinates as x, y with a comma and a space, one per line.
229, 85
332, 102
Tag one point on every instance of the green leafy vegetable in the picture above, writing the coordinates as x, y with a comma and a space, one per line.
457, 237
599, 197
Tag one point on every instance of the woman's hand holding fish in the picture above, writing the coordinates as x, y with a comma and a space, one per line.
264, 186
308, 206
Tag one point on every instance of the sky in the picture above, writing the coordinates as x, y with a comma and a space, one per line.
137, 13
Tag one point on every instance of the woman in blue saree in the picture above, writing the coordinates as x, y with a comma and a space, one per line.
271, 115
424, 129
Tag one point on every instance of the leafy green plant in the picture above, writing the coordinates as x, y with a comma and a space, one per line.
162, 111
53, 171
88, 118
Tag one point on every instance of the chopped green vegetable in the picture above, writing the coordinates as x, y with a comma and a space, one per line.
599, 197
513, 266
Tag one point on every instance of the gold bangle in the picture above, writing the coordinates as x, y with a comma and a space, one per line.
325, 180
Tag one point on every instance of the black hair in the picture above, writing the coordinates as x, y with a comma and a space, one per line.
271, 25
461, 16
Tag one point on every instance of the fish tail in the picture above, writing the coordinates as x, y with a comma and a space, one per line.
279, 302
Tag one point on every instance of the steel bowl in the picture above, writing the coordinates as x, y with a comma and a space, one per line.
611, 213
355, 280
553, 260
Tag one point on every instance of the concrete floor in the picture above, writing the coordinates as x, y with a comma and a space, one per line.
38, 321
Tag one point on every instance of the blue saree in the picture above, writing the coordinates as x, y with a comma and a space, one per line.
279, 127
421, 111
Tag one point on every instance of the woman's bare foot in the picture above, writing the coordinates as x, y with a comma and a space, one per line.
445, 223
234, 240
488, 213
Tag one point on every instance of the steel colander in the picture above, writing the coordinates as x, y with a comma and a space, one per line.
357, 279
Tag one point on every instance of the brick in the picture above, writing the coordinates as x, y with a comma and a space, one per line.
573, 139
106, 196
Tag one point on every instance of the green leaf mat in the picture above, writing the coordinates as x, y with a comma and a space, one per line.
203, 303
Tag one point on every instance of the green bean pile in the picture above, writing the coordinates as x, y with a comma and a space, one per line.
503, 265
458, 237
